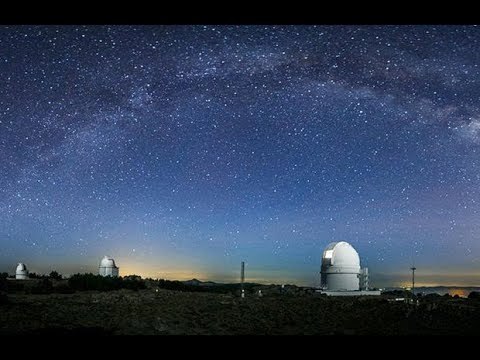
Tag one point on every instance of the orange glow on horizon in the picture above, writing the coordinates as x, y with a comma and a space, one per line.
459, 292
438, 280
180, 274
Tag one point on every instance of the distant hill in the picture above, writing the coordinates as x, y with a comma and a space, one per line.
196, 282
462, 291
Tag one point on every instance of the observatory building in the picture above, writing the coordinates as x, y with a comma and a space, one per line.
341, 274
21, 273
340, 267
107, 267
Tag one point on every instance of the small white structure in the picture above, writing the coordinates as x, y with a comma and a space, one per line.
341, 274
21, 272
107, 267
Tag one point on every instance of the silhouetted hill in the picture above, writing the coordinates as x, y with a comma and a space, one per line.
196, 282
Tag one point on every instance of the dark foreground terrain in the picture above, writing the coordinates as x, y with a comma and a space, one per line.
160, 311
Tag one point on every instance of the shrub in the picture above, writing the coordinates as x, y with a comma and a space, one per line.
15, 286
432, 296
37, 276
133, 284
44, 286
3, 298
396, 293
3, 284
55, 275
474, 295
63, 289
84, 282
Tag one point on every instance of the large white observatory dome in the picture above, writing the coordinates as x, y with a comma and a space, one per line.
340, 267
21, 273
107, 267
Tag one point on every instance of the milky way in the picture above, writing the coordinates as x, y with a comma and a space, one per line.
183, 150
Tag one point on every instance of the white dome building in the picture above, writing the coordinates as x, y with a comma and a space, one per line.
21, 273
107, 267
340, 268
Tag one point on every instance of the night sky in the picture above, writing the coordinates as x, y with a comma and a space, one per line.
182, 150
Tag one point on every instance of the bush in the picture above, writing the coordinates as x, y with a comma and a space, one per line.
432, 296
133, 284
176, 285
43, 286
3, 298
3, 284
55, 275
85, 282
396, 293
63, 289
37, 276
474, 295
16, 286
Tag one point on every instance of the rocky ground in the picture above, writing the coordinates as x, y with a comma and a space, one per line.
159, 311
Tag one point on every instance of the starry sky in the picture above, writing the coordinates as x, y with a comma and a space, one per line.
182, 150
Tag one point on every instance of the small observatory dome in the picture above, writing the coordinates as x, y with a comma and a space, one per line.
21, 273
107, 267
340, 267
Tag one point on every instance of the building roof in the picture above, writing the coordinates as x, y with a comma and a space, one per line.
21, 267
340, 254
108, 262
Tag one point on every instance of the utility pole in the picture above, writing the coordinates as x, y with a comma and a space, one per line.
413, 268
242, 278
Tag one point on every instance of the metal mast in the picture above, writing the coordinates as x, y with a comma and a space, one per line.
242, 278
413, 268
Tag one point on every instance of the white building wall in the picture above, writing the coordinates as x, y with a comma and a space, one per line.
342, 281
108, 271
21, 276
